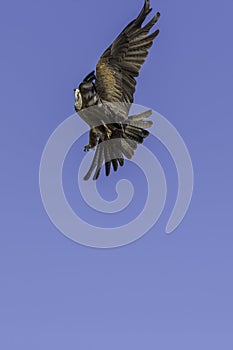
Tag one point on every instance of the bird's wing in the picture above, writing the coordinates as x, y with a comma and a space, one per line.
121, 62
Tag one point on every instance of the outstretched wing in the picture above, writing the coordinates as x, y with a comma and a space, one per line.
121, 62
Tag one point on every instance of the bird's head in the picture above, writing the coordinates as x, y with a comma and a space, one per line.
78, 99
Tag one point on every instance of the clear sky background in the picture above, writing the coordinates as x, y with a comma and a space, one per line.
161, 292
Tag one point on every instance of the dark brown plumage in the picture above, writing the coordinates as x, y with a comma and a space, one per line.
103, 100
122, 60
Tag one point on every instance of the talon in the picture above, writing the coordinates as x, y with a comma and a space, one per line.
87, 147
109, 133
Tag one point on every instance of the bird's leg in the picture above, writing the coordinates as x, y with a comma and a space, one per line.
108, 131
92, 140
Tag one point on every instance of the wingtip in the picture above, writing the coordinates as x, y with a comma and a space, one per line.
107, 168
143, 13
96, 175
147, 7
86, 177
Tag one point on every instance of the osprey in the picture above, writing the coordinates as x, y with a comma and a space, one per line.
104, 97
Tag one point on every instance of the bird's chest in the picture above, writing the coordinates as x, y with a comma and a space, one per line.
89, 94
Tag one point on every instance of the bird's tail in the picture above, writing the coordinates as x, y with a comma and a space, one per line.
121, 144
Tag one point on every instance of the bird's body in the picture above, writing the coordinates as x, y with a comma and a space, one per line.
103, 99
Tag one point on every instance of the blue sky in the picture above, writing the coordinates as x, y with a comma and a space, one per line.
161, 291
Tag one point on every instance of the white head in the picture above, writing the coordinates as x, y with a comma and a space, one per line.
78, 99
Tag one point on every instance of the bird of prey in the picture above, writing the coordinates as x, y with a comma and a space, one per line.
104, 97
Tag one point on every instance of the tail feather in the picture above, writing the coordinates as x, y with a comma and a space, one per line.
127, 149
122, 144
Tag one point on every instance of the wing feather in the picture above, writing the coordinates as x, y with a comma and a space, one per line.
121, 62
